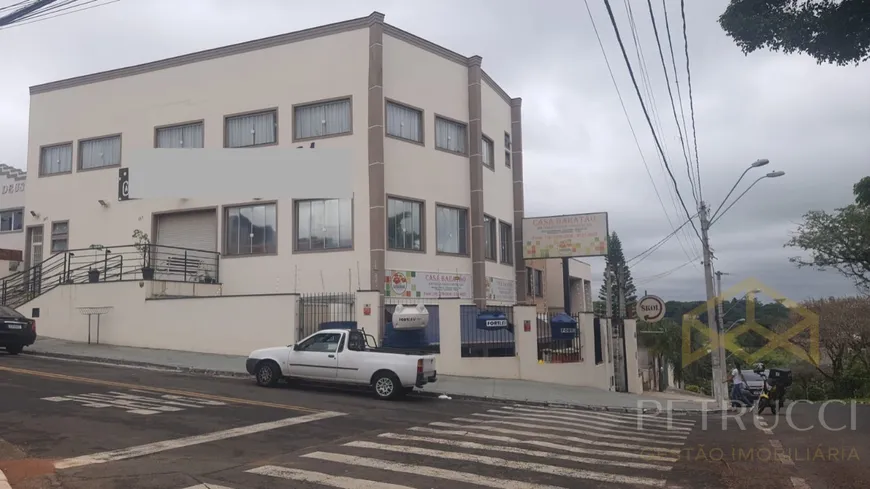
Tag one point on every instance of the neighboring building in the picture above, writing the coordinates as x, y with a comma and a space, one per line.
12, 185
436, 145
545, 288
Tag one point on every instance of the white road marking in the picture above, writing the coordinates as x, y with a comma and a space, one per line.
4, 483
780, 453
427, 471
632, 419
799, 483
571, 430
639, 448
592, 420
162, 446
521, 451
634, 435
136, 404
323, 479
545, 444
510, 464
208, 486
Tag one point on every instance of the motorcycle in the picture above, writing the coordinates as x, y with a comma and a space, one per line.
773, 391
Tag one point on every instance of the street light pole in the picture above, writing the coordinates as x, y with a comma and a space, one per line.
718, 385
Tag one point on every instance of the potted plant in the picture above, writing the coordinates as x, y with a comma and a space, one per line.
94, 272
143, 245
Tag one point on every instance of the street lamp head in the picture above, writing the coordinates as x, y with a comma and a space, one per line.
760, 162
775, 174
740, 321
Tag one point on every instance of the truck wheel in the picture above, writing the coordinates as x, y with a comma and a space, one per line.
267, 374
14, 349
386, 385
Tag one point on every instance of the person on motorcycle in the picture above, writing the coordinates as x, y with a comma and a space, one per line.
738, 383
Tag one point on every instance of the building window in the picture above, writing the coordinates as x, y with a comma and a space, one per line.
450, 135
100, 153
322, 119
180, 136
11, 220
451, 228
487, 152
404, 122
251, 230
404, 225
489, 238
245, 131
507, 150
59, 237
56, 159
539, 283
506, 242
325, 224
530, 287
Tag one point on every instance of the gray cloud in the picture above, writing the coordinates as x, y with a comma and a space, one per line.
810, 121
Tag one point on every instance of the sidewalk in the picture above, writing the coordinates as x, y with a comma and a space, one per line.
455, 387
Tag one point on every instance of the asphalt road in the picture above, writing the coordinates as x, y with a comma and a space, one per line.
74, 425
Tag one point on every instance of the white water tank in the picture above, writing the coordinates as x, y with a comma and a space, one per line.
408, 318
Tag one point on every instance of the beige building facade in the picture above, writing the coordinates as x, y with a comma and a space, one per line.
436, 148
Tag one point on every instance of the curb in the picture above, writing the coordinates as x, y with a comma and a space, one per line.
417, 393
4, 482
131, 363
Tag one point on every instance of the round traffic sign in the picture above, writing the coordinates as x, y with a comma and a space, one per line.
651, 308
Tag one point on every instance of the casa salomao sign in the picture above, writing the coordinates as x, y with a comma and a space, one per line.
13, 188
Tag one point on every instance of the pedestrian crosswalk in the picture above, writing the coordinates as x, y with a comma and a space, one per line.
507, 447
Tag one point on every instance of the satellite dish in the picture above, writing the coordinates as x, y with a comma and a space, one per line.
406, 317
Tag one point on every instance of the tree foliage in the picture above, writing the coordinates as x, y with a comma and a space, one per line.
614, 261
839, 241
831, 31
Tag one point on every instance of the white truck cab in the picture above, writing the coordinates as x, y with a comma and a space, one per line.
343, 356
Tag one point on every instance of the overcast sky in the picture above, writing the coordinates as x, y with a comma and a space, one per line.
811, 121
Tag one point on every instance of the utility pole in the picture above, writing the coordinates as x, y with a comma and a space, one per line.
608, 304
623, 348
721, 324
715, 337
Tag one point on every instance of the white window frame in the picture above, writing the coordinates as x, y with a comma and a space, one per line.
462, 231
460, 130
487, 152
507, 149
341, 128
490, 237
11, 215
58, 236
407, 124
42, 165
269, 141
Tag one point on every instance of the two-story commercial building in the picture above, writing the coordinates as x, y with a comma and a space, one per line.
436, 148
12, 186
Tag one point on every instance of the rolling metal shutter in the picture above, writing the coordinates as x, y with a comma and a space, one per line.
193, 230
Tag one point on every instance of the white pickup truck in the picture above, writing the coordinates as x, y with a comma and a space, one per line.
343, 356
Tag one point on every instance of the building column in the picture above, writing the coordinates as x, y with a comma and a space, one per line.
475, 160
519, 202
377, 195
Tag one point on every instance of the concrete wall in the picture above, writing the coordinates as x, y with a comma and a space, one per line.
208, 324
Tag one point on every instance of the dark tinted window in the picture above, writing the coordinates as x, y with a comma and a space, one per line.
751, 376
8, 312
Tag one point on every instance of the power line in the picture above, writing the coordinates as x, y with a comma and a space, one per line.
630, 125
691, 99
662, 275
10, 7
649, 251
41, 18
646, 113
671, 96
41, 12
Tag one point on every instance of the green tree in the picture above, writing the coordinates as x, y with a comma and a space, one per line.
862, 192
614, 261
664, 340
831, 31
840, 240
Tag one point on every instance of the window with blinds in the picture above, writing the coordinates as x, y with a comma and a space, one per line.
403, 122
100, 153
56, 159
451, 230
245, 131
180, 136
322, 119
450, 136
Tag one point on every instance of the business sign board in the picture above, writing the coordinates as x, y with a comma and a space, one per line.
651, 308
565, 236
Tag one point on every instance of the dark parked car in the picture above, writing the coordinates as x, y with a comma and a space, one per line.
16, 331
754, 383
